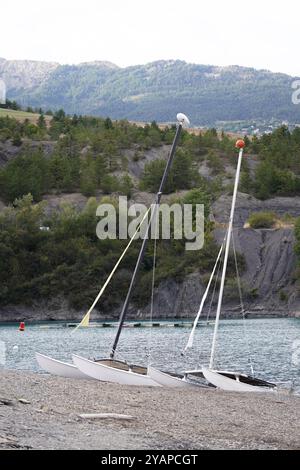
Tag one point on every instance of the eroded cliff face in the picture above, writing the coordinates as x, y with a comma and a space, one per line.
269, 254
270, 264
267, 282
268, 279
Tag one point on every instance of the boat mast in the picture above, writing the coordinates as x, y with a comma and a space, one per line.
182, 119
240, 144
195, 324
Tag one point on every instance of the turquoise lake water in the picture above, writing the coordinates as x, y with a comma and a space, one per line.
273, 344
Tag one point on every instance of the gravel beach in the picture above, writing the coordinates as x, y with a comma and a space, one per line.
42, 412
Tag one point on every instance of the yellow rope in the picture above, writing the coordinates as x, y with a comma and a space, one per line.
86, 319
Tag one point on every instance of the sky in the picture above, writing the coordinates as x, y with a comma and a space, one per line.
258, 33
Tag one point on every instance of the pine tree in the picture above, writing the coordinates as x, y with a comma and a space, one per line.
41, 122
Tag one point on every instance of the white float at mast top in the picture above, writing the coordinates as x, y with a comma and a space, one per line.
183, 119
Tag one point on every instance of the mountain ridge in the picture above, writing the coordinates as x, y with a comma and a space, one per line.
97, 62
210, 94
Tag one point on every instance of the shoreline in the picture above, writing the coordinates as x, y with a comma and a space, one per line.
40, 411
98, 319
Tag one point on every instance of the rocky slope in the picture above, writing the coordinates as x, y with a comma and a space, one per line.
268, 277
268, 280
270, 264
25, 74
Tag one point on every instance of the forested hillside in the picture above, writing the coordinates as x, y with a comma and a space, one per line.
48, 252
210, 95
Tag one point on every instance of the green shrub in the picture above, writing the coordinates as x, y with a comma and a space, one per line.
110, 184
215, 162
283, 296
181, 174
262, 220
17, 141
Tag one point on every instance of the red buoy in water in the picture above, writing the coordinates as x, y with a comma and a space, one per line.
240, 144
22, 326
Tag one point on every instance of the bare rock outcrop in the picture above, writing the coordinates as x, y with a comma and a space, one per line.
268, 281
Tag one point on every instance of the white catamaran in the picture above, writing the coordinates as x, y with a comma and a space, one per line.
226, 380
62, 369
65, 369
110, 369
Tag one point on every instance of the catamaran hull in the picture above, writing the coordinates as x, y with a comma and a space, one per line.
104, 373
231, 384
62, 369
167, 380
